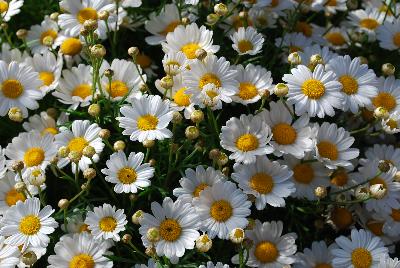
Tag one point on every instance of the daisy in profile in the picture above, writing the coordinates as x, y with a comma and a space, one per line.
366, 21
337, 38
382, 152
392, 124
318, 256
188, 39
294, 42
324, 52
174, 63
80, 250
128, 174
270, 248
3, 162
195, 181
254, 82
106, 222
19, 88
125, 82
75, 87
221, 208
388, 34
268, 181
388, 95
387, 262
8, 195
9, 255
38, 35
288, 137
212, 96
49, 68
332, 146
316, 93
363, 249
247, 41
69, 47
9, 54
210, 264
147, 118
10, 9
177, 223
26, 224
246, 137
44, 123
82, 134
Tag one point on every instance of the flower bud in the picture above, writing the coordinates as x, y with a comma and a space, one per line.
320, 192
63, 203
89, 151
89, 173
48, 41
75, 156
166, 82
192, 132
294, 58
222, 159
17, 166
281, 89
104, 134
83, 32
226, 171
197, 116
397, 176
150, 251
4, 26
119, 146
200, 54
214, 154
109, 73
316, 59
94, 109
203, 243
137, 217
21, 34
212, 18
20, 186
29, 258
221, 9
103, 15
381, 113
37, 177
52, 112
361, 192
54, 16
126, 238
237, 235
148, 143
63, 151
378, 191
185, 21
384, 166
15, 114
90, 25
153, 235
152, 162
352, 4
98, 51
363, 60
133, 52
388, 69
176, 118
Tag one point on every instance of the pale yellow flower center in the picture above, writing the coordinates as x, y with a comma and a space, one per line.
147, 122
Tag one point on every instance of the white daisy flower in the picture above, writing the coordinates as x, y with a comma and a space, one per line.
247, 41
254, 81
71, 48
294, 42
337, 38
270, 248
332, 146
358, 82
316, 93
361, 250
212, 96
26, 224
246, 137
9, 255
268, 181
177, 223
392, 223
382, 152
341, 178
82, 134
392, 124
188, 39
44, 123
146, 118
388, 34
195, 181
128, 174
210, 264
80, 250
288, 137
174, 62
387, 262
19, 88
222, 208
318, 256
316, 49
37, 34
388, 94
8, 55
75, 87
10, 9
366, 21
147, 65
262, 18
106, 222
8, 195
3, 162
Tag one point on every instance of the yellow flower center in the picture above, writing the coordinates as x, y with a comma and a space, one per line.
221, 210
117, 89
385, 100
29, 225
71, 46
396, 39
305, 28
266, 252
323, 265
303, 173
335, 38
350, 85
84, 228
209, 78
395, 214
170, 230
313, 88
50, 130
144, 61
361, 258
339, 178
107, 224
51, 33
12, 89
392, 124
181, 98
244, 46
247, 142
147, 122
34, 156
327, 149
199, 188
284, 134
170, 27
3, 6
261, 183
247, 91
341, 217
190, 50
82, 261
82, 90
368, 23
47, 78
127, 175
12, 197
86, 13
77, 144
375, 227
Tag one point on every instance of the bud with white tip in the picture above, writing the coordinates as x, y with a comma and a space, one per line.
388, 69
237, 235
378, 191
294, 58
281, 89
203, 243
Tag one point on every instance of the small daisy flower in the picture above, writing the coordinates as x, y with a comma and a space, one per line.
174, 63
212, 96
366, 21
70, 48
195, 181
341, 178
44, 123
80, 250
358, 82
316, 93
210, 264
47, 30
294, 42
246, 137
188, 39
388, 94
316, 49
222, 208
392, 124
382, 152
337, 38
106, 222
340, 217
318, 256
361, 250
262, 18
247, 41
10, 9
388, 35
9, 255
268, 181
8, 195
254, 81
288, 137
146, 118
270, 248
26, 224
19, 88
387, 262
128, 174
177, 223
332, 146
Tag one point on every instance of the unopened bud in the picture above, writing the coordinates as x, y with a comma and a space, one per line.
177, 117
63, 203
54, 16
294, 58
52, 112
90, 25
192, 132
98, 51
200, 54
20, 186
363, 60
214, 154
4, 26
17, 166
153, 235
197, 116
94, 109
137, 217
29, 258
388, 69
226, 171
21, 34
243, 15
221, 9
83, 31
89, 173
397, 176
75, 156
212, 18
119, 146
126, 238
63, 151
384, 166
152, 162
166, 82
237, 235
222, 159
361, 192
15, 114
320, 192
133, 52
109, 73
381, 113
104, 134
103, 15
316, 59
378, 191
151, 251
148, 143
281, 90
203, 243
185, 21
